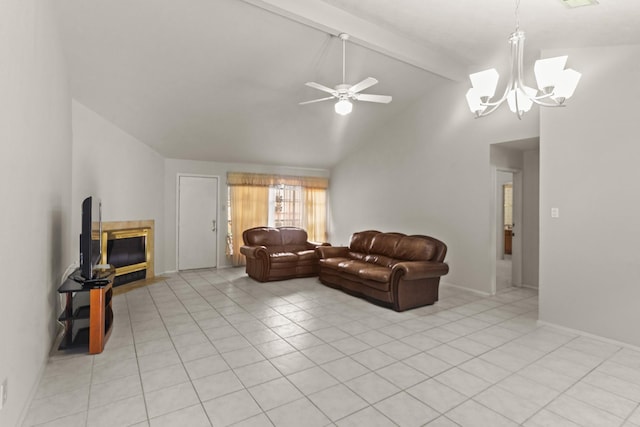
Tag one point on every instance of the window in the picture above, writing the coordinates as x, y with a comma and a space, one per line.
285, 206
274, 200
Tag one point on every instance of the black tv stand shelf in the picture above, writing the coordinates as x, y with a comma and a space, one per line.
88, 313
82, 312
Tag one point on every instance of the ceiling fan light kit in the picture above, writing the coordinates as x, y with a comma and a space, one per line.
343, 107
555, 83
345, 93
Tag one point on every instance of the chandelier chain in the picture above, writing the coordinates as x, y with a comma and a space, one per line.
517, 15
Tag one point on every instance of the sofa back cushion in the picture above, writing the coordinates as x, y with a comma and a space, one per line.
293, 236
381, 260
281, 239
262, 236
385, 244
389, 248
361, 241
413, 248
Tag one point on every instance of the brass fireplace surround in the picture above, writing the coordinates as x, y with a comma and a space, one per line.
125, 229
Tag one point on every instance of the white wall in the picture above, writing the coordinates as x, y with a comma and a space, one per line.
173, 167
589, 157
127, 175
428, 172
35, 184
531, 218
505, 158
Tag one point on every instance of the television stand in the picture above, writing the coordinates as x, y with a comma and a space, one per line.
88, 314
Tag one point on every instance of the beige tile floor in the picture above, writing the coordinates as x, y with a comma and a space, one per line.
214, 348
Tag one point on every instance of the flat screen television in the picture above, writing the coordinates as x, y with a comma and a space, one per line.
90, 237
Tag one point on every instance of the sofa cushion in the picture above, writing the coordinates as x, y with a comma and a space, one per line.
357, 255
374, 278
385, 244
333, 263
278, 257
293, 236
381, 260
309, 254
394, 246
352, 266
375, 273
415, 249
276, 249
361, 242
264, 236
296, 248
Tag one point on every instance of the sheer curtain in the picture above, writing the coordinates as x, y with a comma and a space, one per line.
250, 208
315, 213
250, 204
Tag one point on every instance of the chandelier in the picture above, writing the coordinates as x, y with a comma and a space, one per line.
555, 83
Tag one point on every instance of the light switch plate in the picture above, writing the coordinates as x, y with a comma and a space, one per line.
555, 213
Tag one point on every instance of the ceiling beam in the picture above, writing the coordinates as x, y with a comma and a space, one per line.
333, 20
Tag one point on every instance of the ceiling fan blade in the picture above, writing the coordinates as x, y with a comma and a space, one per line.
321, 87
368, 82
316, 100
382, 99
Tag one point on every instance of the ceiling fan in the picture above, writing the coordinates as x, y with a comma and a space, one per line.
344, 92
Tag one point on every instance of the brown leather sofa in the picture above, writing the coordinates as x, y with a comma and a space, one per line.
392, 269
279, 253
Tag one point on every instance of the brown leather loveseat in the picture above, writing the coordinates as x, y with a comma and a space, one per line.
279, 253
392, 269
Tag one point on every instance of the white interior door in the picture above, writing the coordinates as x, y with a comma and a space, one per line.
197, 222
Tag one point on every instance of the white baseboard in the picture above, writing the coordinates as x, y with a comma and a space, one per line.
464, 288
589, 335
220, 267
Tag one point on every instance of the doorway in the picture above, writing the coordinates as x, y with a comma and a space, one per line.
506, 243
517, 162
197, 222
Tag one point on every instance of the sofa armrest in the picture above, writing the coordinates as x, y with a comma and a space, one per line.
332, 251
254, 251
412, 270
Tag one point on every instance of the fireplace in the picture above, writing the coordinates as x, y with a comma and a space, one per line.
128, 246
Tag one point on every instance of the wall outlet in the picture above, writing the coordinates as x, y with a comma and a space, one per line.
3, 393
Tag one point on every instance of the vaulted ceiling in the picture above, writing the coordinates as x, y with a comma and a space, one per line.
220, 80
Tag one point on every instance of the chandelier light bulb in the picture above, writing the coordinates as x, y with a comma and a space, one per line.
343, 107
